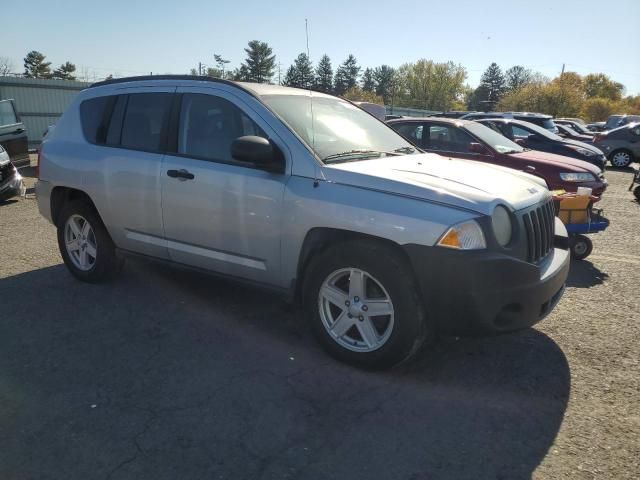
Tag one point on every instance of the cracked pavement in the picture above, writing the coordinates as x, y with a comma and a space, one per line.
167, 374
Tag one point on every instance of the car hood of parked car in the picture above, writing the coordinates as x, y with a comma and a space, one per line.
561, 162
582, 144
460, 183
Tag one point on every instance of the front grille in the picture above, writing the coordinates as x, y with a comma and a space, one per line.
539, 225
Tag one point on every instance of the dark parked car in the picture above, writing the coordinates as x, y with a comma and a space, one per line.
596, 126
568, 132
13, 135
622, 145
532, 136
615, 121
474, 141
581, 128
544, 121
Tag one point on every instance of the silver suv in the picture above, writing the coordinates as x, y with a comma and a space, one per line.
305, 194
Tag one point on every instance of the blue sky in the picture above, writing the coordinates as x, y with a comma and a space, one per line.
161, 36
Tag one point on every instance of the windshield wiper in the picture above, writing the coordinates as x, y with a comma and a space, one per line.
405, 150
360, 154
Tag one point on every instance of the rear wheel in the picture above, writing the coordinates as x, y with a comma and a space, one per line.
85, 245
363, 305
636, 192
621, 158
581, 247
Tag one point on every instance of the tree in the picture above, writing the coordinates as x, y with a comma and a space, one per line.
324, 75
220, 63
300, 74
65, 71
600, 85
35, 66
6, 65
493, 82
597, 109
429, 85
357, 94
259, 65
384, 77
517, 77
346, 75
368, 83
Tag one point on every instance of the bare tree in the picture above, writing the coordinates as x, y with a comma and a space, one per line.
6, 66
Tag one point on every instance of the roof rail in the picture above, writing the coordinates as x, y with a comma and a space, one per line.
163, 77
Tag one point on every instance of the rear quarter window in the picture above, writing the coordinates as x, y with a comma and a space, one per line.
93, 116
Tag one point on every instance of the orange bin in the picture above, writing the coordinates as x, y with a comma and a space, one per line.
574, 209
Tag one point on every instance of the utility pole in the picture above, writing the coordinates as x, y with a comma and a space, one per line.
562, 72
306, 30
200, 68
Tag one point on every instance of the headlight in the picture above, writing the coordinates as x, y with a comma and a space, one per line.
577, 177
582, 151
464, 236
502, 228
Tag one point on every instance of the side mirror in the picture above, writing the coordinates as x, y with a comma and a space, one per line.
259, 151
478, 148
520, 141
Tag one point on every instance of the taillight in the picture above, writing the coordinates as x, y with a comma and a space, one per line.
38, 162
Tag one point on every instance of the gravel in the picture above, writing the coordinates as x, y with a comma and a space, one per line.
171, 374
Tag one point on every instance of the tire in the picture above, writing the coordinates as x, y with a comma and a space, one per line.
636, 192
101, 262
621, 158
387, 276
581, 247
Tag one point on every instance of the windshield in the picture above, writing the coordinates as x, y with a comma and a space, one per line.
540, 131
613, 121
495, 140
335, 129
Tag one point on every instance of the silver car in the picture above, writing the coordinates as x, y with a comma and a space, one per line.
307, 195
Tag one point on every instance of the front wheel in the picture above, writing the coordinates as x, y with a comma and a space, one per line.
636, 193
85, 245
621, 158
363, 305
581, 247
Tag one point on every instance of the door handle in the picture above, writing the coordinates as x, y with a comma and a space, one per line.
181, 174
529, 169
18, 130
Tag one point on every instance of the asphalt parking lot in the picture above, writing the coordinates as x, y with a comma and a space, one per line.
166, 374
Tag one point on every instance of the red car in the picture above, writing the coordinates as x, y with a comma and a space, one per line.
474, 141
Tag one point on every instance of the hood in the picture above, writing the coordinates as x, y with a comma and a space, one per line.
567, 164
459, 183
578, 143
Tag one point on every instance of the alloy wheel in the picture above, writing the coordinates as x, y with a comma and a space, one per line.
356, 310
80, 242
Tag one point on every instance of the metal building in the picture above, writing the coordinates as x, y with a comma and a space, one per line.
39, 102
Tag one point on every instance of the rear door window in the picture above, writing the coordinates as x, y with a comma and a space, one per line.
145, 121
7, 113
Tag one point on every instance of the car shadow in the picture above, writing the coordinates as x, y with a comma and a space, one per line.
28, 171
166, 371
584, 274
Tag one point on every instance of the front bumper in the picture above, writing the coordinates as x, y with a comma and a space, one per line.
469, 293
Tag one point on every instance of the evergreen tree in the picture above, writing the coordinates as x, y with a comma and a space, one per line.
346, 75
260, 63
368, 83
384, 77
65, 71
324, 75
493, 82
35, 66
300, 74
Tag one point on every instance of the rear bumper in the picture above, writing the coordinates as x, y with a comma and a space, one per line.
470, 293
11, 187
